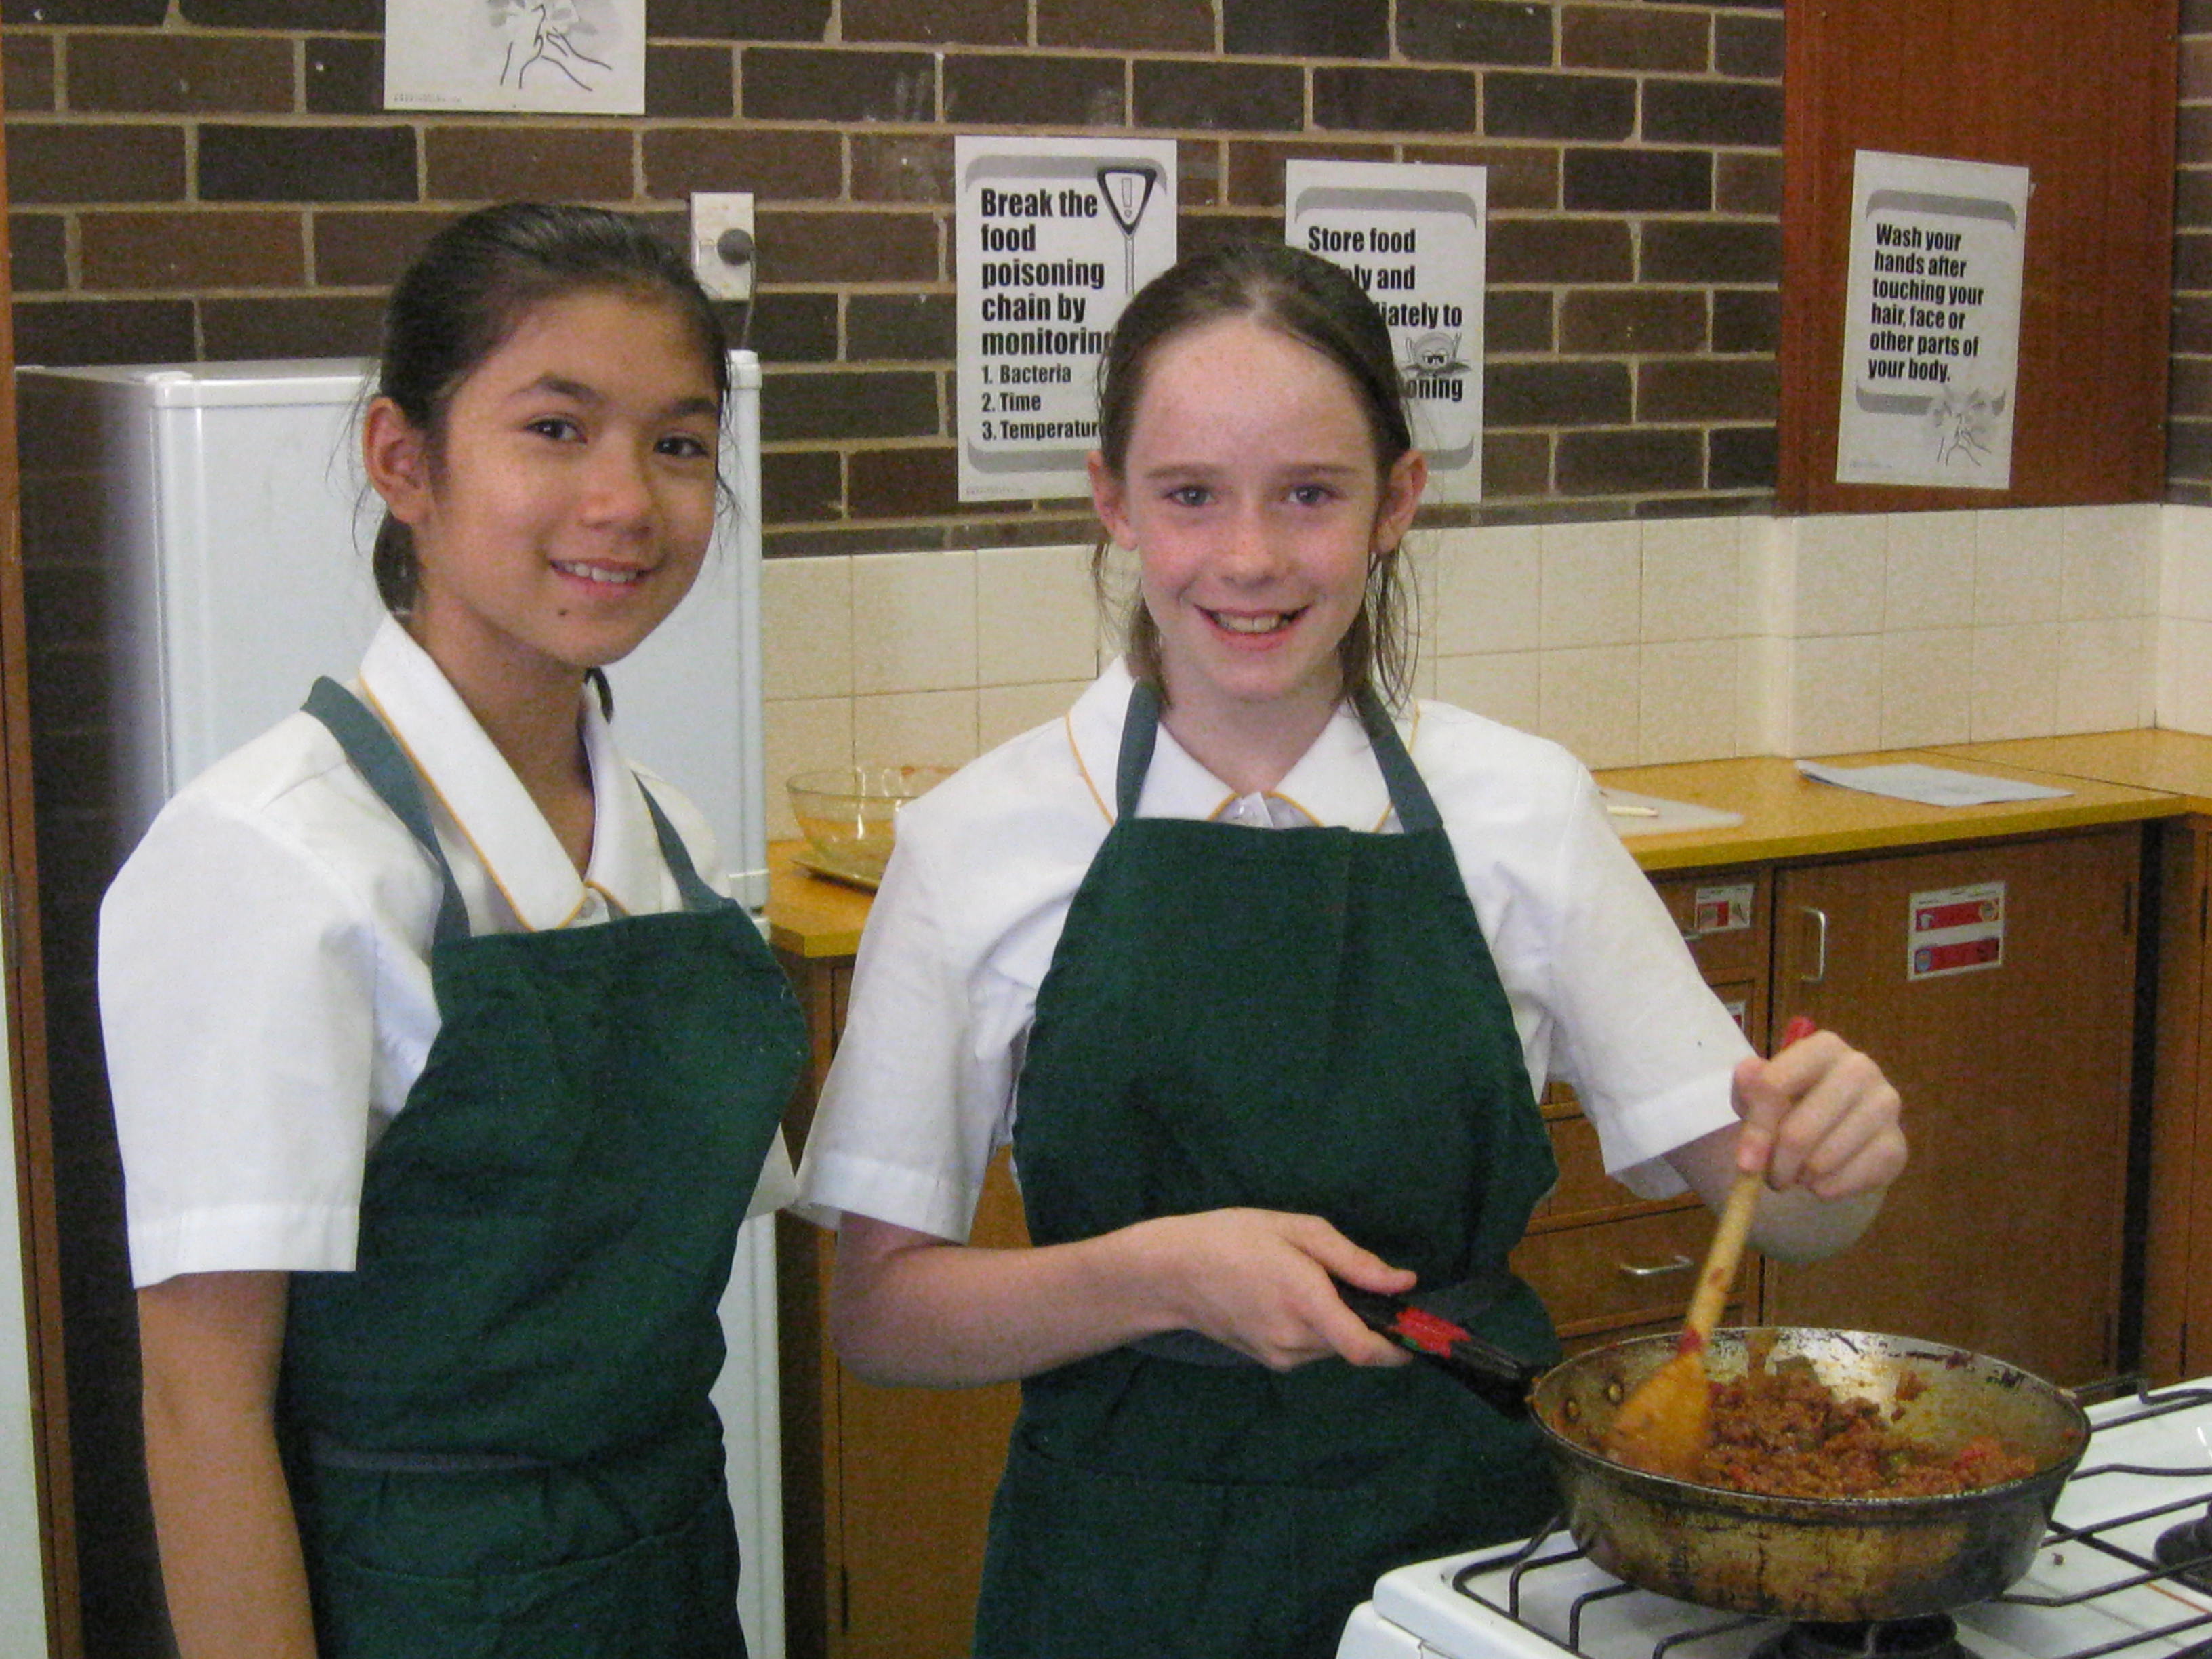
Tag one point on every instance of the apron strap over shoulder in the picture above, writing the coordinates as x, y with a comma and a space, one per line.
697, 895
1140, 731
376, 755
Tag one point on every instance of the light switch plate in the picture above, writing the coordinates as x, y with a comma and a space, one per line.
712, 216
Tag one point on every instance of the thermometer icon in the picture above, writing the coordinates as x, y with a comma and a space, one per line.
1128, 187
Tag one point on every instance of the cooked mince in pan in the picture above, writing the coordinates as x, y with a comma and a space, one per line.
1781, 1431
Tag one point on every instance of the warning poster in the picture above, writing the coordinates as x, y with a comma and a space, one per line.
1955, 930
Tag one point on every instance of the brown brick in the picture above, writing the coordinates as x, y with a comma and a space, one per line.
1707, 388
736, 20
1713, 113
309, 164
1746, 320
60, 332
2192, 196
169, 74
1749, 46
1588, 106
1746, 181
37, 250
1395, 99
1558, 250
1516, 463
2192, 262
848, 247
936, 22
1674, 252
320, 325
1631, 321
801, 486
345, 77
1207, 95
1516, 320
1555, 394
1306, 28
189, 250
29, 61
349, 17
1202, 233
786, 327
108, 13
2193, 133
776, 163
2191, 330
2195, 59
1117, 26
903, 483
494, 163
2188, 450
2178, 494
1617, 179
691, 81
1522, 177
2196, 16
1742, 457
1025, 90
70, 163
899, 328
842, 544
2189, 386
898, 167
1255, 166
1199, 173
1633, 38
1625, 462
1475, 31
784, 83
370, 249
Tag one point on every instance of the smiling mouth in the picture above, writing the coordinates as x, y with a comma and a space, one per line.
605, 575
1266, 622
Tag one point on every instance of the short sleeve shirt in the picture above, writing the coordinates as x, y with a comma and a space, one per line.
924, 1088
264, 977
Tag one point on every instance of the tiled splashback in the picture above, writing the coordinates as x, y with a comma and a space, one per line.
1629, 641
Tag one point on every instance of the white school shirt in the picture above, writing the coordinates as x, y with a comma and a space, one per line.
265, 975
923, 1092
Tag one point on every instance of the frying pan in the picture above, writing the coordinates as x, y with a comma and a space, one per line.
1836, 1559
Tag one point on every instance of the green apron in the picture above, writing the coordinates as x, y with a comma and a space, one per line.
496, 1428
1303, 1019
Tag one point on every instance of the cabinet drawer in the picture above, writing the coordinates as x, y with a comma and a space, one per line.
1723, 915
1642, 1267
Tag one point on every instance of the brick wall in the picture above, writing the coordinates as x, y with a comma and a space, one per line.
209, 178
2188, 428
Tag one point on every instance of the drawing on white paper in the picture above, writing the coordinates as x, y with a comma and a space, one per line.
575, 56
1963, 419
545, 35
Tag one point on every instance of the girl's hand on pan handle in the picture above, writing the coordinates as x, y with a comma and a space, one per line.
1258, 1281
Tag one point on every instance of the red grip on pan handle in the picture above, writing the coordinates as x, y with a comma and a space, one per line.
1799, 1028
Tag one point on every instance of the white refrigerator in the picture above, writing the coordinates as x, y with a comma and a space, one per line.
229, 510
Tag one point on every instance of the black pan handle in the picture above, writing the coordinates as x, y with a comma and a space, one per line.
1502, 1378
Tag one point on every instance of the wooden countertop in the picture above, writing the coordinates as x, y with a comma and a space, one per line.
2118, 777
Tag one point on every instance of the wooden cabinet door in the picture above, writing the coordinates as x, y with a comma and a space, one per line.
2004, 1234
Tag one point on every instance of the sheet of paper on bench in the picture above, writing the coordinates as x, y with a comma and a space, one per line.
1935, 786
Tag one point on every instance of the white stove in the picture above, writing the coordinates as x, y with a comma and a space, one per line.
2097, 1587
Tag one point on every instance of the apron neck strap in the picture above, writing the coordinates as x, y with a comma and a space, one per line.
697, 895
1409, 796
376, 755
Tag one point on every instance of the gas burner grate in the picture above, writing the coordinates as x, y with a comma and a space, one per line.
1935, 1637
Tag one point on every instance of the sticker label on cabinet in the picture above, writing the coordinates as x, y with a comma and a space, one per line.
1722, 909
1739, 1010
1955, 930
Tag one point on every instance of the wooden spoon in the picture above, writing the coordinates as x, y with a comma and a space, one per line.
1662, 1426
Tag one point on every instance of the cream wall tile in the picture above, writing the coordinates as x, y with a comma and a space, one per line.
914, 728
1835, 694
1591, 581
1929, 580
2018, 557
1691, 569
806, 628
2185, 674
2107, 673
2108, 559
1687, 710
2185, 563
1503, 686
2015, 681
1927, 685
1007, 711
801, 734
1766, 556
1489, 588
1417, 581
1036, 620
913, 622
1762, 700
1587, 699
1838, 574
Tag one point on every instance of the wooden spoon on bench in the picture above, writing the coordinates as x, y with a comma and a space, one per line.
1661, 1427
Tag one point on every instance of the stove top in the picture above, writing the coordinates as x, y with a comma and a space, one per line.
2102, 1583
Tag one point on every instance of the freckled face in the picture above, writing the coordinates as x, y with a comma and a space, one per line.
568, 503
1251, 493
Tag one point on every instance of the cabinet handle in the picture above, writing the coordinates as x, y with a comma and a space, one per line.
1680, 1264
1819, 946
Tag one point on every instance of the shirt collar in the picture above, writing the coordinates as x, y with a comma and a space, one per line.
1336, 783
483, 800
